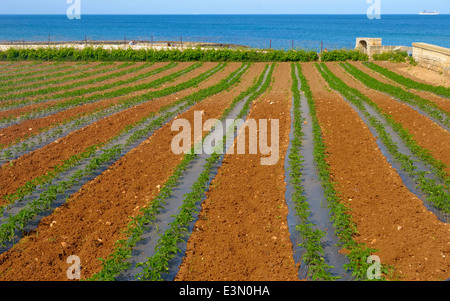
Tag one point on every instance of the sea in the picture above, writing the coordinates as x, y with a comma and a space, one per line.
259, 31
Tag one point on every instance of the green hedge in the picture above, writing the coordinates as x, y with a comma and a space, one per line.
190, 54
185, 55
395, 56
341, 55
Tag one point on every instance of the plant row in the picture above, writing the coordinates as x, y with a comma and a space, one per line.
98, 113
16, 66
13, 65
79, 97
31, 185
313, 256
407, 82
23, 97
28, 142
29, 71
436, 193
47, 74
166, 248
424, 104
345, 228
79, 72
20, 98
18, 221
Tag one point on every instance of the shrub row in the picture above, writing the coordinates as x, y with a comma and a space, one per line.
189, 54
395, 56
343, 55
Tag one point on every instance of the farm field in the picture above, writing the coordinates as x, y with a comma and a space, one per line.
355, 185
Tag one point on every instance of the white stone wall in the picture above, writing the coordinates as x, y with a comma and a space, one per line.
432, 57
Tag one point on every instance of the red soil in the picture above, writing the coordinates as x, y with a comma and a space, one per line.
417, 73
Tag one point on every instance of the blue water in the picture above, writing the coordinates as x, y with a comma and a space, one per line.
262, 31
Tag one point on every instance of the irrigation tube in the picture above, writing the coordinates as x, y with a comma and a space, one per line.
146, 247
314, 194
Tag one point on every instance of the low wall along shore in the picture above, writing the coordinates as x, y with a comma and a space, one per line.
118, 45
432, 57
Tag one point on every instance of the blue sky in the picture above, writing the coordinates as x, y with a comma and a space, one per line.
222, 6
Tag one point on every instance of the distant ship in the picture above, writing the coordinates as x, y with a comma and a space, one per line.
429, 12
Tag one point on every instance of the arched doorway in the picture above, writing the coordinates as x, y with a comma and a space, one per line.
362, 46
